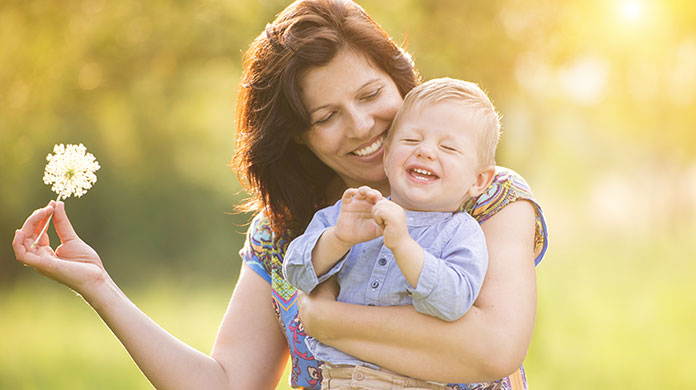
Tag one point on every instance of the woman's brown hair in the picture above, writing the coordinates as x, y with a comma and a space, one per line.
283, 177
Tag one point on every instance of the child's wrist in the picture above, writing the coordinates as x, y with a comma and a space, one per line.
404, 246
336, 240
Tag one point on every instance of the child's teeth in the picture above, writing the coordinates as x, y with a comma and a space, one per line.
422, 171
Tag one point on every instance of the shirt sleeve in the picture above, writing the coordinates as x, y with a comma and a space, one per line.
448, 286
256, 252
507, 187
297, 265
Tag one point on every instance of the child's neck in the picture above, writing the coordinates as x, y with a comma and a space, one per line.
425, 209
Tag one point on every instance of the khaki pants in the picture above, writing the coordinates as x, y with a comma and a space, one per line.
359, 378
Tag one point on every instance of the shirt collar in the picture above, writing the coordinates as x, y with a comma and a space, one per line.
426, 218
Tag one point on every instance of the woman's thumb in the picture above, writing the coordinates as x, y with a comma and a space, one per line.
63, 227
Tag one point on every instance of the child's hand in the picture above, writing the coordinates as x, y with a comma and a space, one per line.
355, 223
392, 219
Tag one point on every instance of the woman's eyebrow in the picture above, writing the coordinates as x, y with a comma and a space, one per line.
371, 81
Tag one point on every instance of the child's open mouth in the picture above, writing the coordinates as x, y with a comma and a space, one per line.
422, 174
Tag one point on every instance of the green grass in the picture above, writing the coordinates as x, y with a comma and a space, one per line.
612, 313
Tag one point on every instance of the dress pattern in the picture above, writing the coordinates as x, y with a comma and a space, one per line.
263, 251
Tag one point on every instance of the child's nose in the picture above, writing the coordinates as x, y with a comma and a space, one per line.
425, 150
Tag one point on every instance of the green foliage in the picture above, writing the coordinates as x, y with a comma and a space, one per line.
598, 113
612, 314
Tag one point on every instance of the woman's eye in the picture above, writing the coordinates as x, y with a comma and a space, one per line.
323, 119
372, 95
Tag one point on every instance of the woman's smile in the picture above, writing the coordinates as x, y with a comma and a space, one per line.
351, 103
372, 149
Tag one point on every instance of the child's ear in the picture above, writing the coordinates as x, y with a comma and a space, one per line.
483, 180
384, 159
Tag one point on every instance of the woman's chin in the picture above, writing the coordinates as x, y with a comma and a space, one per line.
374, 178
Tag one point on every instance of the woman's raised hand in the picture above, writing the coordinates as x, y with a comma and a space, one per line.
73, 263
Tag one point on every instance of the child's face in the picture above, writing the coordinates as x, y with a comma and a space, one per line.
431, 160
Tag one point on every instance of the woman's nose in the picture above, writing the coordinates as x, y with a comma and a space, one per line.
361, 123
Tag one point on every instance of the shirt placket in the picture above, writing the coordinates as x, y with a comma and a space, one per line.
375, 285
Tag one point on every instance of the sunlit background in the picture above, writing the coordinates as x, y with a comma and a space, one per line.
599, 114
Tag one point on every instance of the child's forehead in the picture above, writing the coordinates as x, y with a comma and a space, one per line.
448, 117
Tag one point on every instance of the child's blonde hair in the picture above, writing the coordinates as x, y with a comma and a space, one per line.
466, 92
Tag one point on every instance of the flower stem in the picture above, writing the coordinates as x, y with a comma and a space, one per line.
48, 222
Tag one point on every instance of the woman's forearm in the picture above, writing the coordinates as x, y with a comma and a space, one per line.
402, 340
250, 351
488, 343
167, 362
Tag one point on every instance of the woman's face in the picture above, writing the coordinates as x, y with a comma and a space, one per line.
351, 104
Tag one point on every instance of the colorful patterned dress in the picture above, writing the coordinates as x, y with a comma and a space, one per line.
263, 251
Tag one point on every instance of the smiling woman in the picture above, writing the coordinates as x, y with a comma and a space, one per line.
321, 64
350, 116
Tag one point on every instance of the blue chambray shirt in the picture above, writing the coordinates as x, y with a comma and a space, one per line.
454, 267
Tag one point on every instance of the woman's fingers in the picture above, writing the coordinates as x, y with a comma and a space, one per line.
33, 226
24, 253
64, 228
18, 244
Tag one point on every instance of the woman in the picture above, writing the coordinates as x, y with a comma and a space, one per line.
321, 86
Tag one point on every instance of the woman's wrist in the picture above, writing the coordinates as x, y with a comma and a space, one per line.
100, 292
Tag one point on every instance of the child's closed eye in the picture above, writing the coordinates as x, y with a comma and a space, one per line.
449, 148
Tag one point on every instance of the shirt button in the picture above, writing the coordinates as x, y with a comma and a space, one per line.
375, 284
359, 376
382, 261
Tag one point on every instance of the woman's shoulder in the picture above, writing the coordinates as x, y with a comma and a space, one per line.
507, 187
263, 248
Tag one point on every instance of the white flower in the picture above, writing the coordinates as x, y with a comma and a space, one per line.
70, 170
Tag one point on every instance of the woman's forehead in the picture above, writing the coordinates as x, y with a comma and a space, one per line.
344, 76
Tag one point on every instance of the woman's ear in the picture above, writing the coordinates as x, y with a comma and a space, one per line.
483, 180
298, 139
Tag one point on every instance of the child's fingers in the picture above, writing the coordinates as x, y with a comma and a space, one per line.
348, 195
370, 194
379, 215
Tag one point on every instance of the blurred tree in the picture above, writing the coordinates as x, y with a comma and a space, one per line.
585, 88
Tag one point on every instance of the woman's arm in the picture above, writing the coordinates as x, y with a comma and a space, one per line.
249, 352
488, 343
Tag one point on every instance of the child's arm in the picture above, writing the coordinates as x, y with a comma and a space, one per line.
450, 283
297, 263
408, 253
353, 226
442, 287
312, 257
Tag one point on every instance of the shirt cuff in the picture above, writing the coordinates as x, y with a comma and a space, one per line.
428, 279
298, 268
